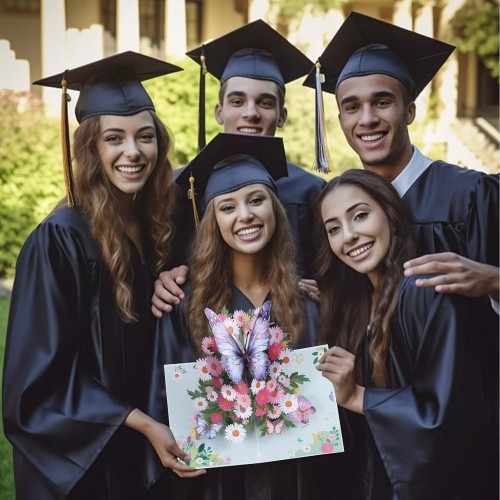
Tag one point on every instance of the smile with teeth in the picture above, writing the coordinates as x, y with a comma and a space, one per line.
248, 231
249, 130
360, 250
371, 137
135, 169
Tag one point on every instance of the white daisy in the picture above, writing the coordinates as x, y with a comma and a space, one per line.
228, 392
202, 369
287, 358
274, 369
200, 403
242, 411
235, 433
256, 386
289, 403
211, 394
232, 327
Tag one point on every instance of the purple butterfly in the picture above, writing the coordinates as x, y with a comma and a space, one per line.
301, 415
237, 358
204, 429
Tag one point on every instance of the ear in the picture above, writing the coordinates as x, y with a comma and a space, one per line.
411, 112
282, 118
218, 114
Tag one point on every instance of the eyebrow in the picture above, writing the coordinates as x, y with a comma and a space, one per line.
238, 93
375, 95
350, 209
251, 193
117, 129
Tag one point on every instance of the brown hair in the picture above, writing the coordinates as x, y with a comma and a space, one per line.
96, 198
212, 275
346, 295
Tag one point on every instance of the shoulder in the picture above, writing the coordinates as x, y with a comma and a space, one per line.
64, 228
456, 176
296, 172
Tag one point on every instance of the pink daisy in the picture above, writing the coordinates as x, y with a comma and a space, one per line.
213, 365
274, 352
260, 411
284, 380
276, 334
263, 397
218, 382
239, 316
271, 385
207, 345
277, 395
216, 417
225, 404
241, 387
243, 400
327, 447
274, 412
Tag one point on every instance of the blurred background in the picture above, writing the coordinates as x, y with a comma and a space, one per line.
457, 115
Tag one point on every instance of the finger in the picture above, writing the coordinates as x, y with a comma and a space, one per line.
180, 274
432, 257
186, 475
169, 294
160, 304
156, 312
442, 279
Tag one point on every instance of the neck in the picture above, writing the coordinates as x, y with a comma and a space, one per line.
249, 271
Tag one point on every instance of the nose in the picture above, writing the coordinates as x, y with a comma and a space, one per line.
350, 235
367, 117
251, 111
131, 149
245, 213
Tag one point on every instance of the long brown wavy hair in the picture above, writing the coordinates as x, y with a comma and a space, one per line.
97, 199
346, 295
212, 275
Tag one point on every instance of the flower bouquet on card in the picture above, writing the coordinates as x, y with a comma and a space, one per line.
246, 380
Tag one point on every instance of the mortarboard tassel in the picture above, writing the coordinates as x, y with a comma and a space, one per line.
68, 171
192, 197
323, 162
201, 105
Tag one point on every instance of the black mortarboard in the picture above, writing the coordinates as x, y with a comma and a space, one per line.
231, 161
255, 51
110, 86
364, 45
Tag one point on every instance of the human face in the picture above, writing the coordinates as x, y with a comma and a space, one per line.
246, 218
128, 149
357, 229
375, 119
250, 107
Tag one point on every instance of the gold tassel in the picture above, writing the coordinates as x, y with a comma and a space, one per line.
323, 161
192, 197
66, 152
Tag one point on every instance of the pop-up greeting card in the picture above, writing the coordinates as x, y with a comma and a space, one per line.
251, 398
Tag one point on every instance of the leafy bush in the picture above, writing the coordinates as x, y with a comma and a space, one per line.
31, 179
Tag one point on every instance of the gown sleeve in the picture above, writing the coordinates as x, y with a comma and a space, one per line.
483, 222
56, 415
421, 424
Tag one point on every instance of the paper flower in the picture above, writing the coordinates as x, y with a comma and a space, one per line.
242, 385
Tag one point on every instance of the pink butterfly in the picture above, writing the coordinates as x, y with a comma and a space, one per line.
238, 358
301, 415
274, 428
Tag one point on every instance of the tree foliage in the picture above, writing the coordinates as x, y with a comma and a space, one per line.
475, 27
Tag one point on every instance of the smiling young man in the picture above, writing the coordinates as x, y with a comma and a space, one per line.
376, 70
253, 65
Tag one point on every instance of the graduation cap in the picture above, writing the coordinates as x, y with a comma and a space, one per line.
231, 161
364, 46
255, 51
109, 86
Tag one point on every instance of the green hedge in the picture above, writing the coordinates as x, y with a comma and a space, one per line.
31, 178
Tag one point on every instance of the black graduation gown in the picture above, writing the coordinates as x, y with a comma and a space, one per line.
298, 193
424, 436
287, 479
73, 371
457, 210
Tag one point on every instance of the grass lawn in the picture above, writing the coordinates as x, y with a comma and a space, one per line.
6, 477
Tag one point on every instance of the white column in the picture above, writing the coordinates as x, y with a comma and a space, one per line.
402, 14
424, 25
175, 28
53, 32
127, 25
